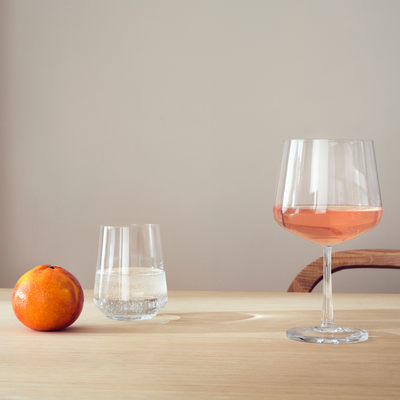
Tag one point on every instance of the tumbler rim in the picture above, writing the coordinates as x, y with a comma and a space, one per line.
136, 225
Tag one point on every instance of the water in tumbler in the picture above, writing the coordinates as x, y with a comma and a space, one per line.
133, 294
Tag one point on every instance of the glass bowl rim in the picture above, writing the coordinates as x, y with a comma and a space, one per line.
328, 140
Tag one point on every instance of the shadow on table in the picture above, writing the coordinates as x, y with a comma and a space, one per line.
206, 322
237, 322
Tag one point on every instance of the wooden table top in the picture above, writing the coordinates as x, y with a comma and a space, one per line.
206, 345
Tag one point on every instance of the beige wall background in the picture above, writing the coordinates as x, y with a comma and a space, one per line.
174, 112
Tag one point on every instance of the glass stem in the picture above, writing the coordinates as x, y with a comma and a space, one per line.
327, 304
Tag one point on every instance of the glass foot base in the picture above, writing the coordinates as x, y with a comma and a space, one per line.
330, 334
131, 317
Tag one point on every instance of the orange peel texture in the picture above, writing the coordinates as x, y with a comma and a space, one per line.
47, 298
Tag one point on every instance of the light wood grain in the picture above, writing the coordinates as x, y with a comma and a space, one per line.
206, 345
311, 275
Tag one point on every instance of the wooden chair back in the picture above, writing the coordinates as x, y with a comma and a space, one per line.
312, 274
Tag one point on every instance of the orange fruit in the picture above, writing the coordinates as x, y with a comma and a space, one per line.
47, 298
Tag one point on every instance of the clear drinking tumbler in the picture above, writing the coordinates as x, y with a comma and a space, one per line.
130, 280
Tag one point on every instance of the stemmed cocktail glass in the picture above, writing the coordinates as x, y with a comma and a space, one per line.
328, 192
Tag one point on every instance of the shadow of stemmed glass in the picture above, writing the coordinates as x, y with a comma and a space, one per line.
229, 323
